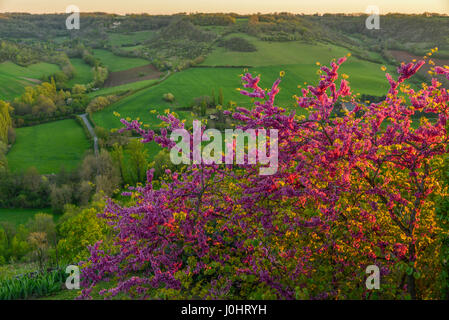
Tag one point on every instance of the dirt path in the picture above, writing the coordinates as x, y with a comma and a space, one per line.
91, 131
32, 80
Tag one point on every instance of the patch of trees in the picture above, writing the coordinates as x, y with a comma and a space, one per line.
178, 45
140, 22
395, 28
183, 29
19, 54
51, 26
49, 243
7, 133
100, 76
24, 190
99, 103
282, 27
237, 44
211, 19
5, 122
44, 102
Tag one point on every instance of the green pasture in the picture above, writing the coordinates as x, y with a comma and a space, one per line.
122, 88
48, 147
120, 39
115, 63
83, 72
21, 216
274, 53
139, 46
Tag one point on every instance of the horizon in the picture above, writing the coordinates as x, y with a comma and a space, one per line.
170, 7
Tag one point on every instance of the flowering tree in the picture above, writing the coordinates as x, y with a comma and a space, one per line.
351, 190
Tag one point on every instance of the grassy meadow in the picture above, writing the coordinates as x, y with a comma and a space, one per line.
124, 88
21, 216
115, 63
48, 147
126, 39
83, 72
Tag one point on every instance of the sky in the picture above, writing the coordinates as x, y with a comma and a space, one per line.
239, 6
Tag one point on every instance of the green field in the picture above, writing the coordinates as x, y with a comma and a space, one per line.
83, 72
21, 216
196, 82
48, 147
185, 86
120, 39
14, 78
132, 48
115, 63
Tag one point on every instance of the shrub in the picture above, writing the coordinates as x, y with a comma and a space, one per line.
169, 97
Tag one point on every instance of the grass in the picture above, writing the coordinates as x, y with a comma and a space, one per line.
83, 72
115, 63
14, 78
48, 147
21, 216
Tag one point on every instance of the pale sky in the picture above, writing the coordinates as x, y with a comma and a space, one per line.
239, 6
